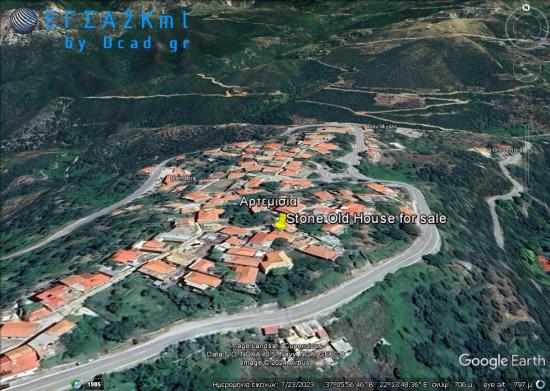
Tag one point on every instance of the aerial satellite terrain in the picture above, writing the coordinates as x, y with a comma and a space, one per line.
284, 195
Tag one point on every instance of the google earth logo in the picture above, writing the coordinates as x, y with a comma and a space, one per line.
23, 20
76, 384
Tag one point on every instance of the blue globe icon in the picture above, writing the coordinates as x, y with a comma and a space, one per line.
23, 20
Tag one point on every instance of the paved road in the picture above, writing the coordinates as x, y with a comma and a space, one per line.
428, 242
144, 188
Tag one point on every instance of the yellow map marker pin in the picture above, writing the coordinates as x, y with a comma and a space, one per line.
280, 224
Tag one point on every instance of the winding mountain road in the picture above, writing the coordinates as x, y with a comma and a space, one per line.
59, 378
516, 191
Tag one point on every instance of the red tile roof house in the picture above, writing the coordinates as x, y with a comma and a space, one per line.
57, 296
319, 136
183, 221
242, 260
261, 240
288, 173
324, 195
319, 209
19, 360
229, 197
380, 188
235, 175
251, 150
270, 169
61, 327
127, 256
210, 215
147, 170
253, 183
158, 269
38, 314
197, 196
86, 281
293, 167
320, 252
270, 330
246, 275
324, 148
247, 163
347, 197
202, 265
273, 146
233, 241
217, 175
202, 281
275, 259
18, 329
248, 191
406, 210
544, 262
322, 333
234, 230
241, 144
253, 168
152, 245
333, 228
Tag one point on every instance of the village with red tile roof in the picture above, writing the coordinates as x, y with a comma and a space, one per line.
206, 239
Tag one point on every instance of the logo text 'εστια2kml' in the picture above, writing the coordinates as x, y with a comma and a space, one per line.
115, 24
127, 20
